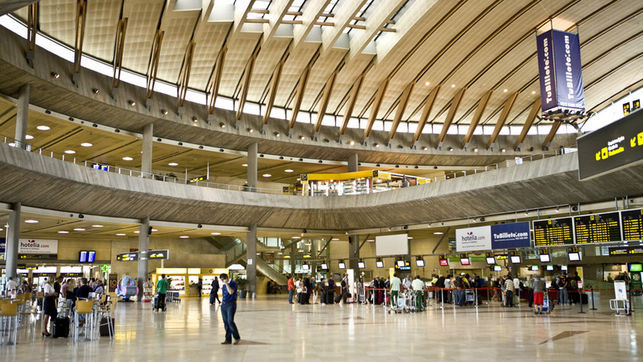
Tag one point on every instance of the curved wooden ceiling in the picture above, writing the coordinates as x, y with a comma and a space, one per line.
319, 50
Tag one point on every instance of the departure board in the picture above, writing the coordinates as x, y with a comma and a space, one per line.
632, 224
597, 228
553, 232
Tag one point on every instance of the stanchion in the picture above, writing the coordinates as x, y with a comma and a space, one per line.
475, 298
442, 297
580, 296
592, 291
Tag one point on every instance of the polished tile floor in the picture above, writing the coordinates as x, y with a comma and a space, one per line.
273, 330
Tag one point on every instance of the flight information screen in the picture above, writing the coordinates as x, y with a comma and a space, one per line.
553, 232
632, 224
597, 228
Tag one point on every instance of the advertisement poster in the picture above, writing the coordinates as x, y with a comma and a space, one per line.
472, 239
502, 236
37, 246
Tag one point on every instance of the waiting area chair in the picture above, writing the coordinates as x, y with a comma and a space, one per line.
84, 309
8, 322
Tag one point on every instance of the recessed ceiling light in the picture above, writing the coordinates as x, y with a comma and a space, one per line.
215, 233
288, 170
86, 144
503, 150
12, 144
533, 92
127, 158
120, 234
63, 232
131, 103
244, 165
452, 85
410, 238
70, 152
475, 149
79, 229
424, 148
335, 239
97, 226
172, 164
352, 142
31, 221
184, 237
28, 137
427, 84
266, 175
505, 90
42, 127
296, 237
438, 233
154, 230
136, 232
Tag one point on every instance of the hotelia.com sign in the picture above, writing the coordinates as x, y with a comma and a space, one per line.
503, 236
37, 246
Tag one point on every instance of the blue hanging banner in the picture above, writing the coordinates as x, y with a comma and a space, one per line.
510, 236
560, 70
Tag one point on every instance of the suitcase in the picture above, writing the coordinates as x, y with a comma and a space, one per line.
104, 328
61, 327
584, 298
155, 303
338, 299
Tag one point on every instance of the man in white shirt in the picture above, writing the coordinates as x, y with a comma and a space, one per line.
11, 286
418, 288
517, 288
407, 283
509, 292
395, 289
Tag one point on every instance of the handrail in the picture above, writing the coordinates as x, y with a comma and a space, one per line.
174, 179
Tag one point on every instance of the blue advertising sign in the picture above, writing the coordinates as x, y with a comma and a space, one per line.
510, 236
3, 243
560, 69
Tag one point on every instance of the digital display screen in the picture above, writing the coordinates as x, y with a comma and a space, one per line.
444, 262
127, 257
545, 258
82, 258
553, 232
305, 267
497, 268
420, 263
534, 268
361, 265
598, 228
91, 256
465, 261
324, 266
573, 256
612, 147
550, 267
400, 263
563, 267
632, 224
636, 267
515, 259
491, 260
342, 265
379, 264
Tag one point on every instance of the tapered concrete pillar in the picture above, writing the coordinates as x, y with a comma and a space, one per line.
251, 265
353, 253
148, 142
252, 167
143, 247
353, 163
22, 116
13, 236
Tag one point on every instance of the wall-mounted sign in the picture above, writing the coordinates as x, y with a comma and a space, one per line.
127, 257
472, 239
559, 67
502, 236
157, 254
37, 246
553, 232
615, 146
625, 250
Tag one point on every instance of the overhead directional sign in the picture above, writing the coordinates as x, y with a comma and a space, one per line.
615, 146
155, 254
127, 257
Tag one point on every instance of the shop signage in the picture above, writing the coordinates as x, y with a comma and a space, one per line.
615, 146
502, 236
559, 67
37, 246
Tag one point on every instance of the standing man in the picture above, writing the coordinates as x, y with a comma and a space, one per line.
228, 309
418, 287
214, 293
509, 291
539, 295
395, 289
161, 288
291, 289
11, 286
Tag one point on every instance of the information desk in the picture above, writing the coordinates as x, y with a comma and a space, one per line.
597, 228
553, 232
632, 224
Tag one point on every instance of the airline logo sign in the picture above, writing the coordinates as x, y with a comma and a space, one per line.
559, 66
37, 246
472, 239
503, 236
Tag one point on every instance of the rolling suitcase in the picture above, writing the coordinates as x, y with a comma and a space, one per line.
61, 327
584, 298
104, 327
338, 299
155, 303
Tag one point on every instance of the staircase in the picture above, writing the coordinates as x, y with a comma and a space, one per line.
235, 253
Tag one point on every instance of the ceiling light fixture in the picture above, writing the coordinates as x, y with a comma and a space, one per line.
427, 84
86, 144
277, 134
266, 175
351, 142
79, 229
54, 75
475, 149
127, 158
288, 170
221, 124
452, 85
173, 164
250, 130
95, 90
97, 226
215, 233
131, 103
438, 233
31, 221
43, 128
28, 137
63, 232
503, 150
244, 165
194, 119
120, 234
505, 90
70, 152
533, 92
164, 112
184, 237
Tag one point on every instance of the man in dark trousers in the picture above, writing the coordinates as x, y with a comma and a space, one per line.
228, 309
309, 289
214, 293
330, 296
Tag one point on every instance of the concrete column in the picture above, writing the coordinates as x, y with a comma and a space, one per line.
251, 265
13, 235
143, 246
353, 253
252, 167
148, 140
22, 116
353, 163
